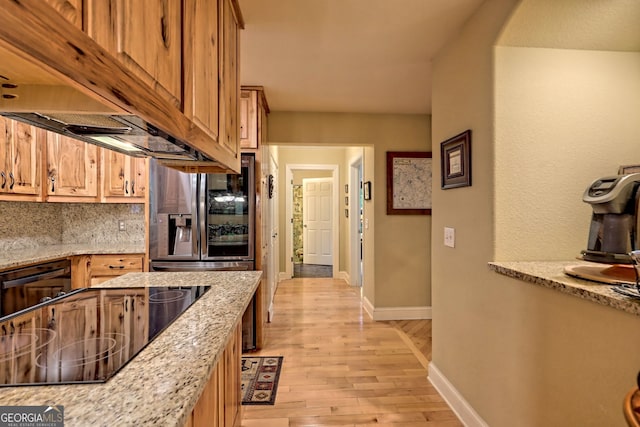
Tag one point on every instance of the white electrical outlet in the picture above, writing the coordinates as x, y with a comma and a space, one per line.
450, 237
121, 225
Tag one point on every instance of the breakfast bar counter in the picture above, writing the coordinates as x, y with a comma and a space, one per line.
161, 384
550, 274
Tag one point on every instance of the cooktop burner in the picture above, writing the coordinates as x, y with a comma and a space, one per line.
88, 335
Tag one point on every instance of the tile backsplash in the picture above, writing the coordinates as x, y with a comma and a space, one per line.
28, 225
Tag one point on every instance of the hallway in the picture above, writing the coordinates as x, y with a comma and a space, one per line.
340, 367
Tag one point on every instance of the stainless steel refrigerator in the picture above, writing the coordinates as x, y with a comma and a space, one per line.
202, 221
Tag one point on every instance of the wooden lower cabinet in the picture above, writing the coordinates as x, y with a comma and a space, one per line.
91, 270
220, 403
16, 335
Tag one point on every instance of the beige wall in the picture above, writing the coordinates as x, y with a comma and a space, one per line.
467, 335
563, 119
520, 354
400, 261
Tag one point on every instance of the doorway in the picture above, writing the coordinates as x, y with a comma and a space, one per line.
356, 215
323, 255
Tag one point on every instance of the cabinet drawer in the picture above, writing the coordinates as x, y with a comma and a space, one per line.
115, 265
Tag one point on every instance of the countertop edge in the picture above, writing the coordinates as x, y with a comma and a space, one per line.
550, 274
23, 257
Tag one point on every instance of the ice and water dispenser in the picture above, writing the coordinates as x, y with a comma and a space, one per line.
175, 235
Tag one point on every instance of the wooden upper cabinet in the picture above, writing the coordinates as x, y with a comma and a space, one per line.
146, 36
201, 50
248, 119
229, 79
20, 166
123, 176
70, 9
72, 168
253, 117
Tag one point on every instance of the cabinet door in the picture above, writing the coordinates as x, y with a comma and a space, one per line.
19, 158
125, 321
72, 168
209, 410
248, 119
113, 166
19, 340
124, 176
233, 380
229, 81
201, 49
138, 175
74, 319
70, 9
146, 36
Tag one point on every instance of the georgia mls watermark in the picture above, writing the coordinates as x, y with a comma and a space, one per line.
32, 416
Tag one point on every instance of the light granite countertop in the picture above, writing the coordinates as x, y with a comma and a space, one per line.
550, 274
21, 257
161, 385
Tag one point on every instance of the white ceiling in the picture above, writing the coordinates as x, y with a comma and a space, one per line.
374, 56
362, 56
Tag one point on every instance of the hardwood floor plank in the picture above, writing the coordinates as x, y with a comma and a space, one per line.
343, 369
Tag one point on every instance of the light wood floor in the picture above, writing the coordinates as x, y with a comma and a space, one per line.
342, 368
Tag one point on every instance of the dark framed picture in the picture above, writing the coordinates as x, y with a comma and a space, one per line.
346, 200
409, 183
366, 190
627, 169
455, 161
346, 188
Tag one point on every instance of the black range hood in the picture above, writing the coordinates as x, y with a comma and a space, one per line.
126, 134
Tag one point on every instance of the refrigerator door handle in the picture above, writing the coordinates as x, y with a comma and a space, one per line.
195, 208
202, 214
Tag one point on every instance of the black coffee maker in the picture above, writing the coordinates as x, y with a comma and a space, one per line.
614, 224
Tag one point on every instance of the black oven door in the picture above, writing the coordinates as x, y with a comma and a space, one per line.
25, 287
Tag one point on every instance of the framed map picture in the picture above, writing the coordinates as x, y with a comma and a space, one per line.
409, 183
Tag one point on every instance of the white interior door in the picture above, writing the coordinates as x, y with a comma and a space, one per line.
317, 223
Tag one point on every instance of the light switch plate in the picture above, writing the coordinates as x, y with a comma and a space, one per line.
450, 237
121, 225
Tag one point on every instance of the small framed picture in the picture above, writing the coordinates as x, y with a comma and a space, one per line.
627, 169
346, 188
346, 200
346, 213
455, 161
367, 190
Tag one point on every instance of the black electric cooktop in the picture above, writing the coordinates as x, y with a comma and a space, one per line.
88, 335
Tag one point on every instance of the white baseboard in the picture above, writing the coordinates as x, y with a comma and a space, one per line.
368, 307
283, 276
401, 313
396, 313
344, 276
270, 312
456, 401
